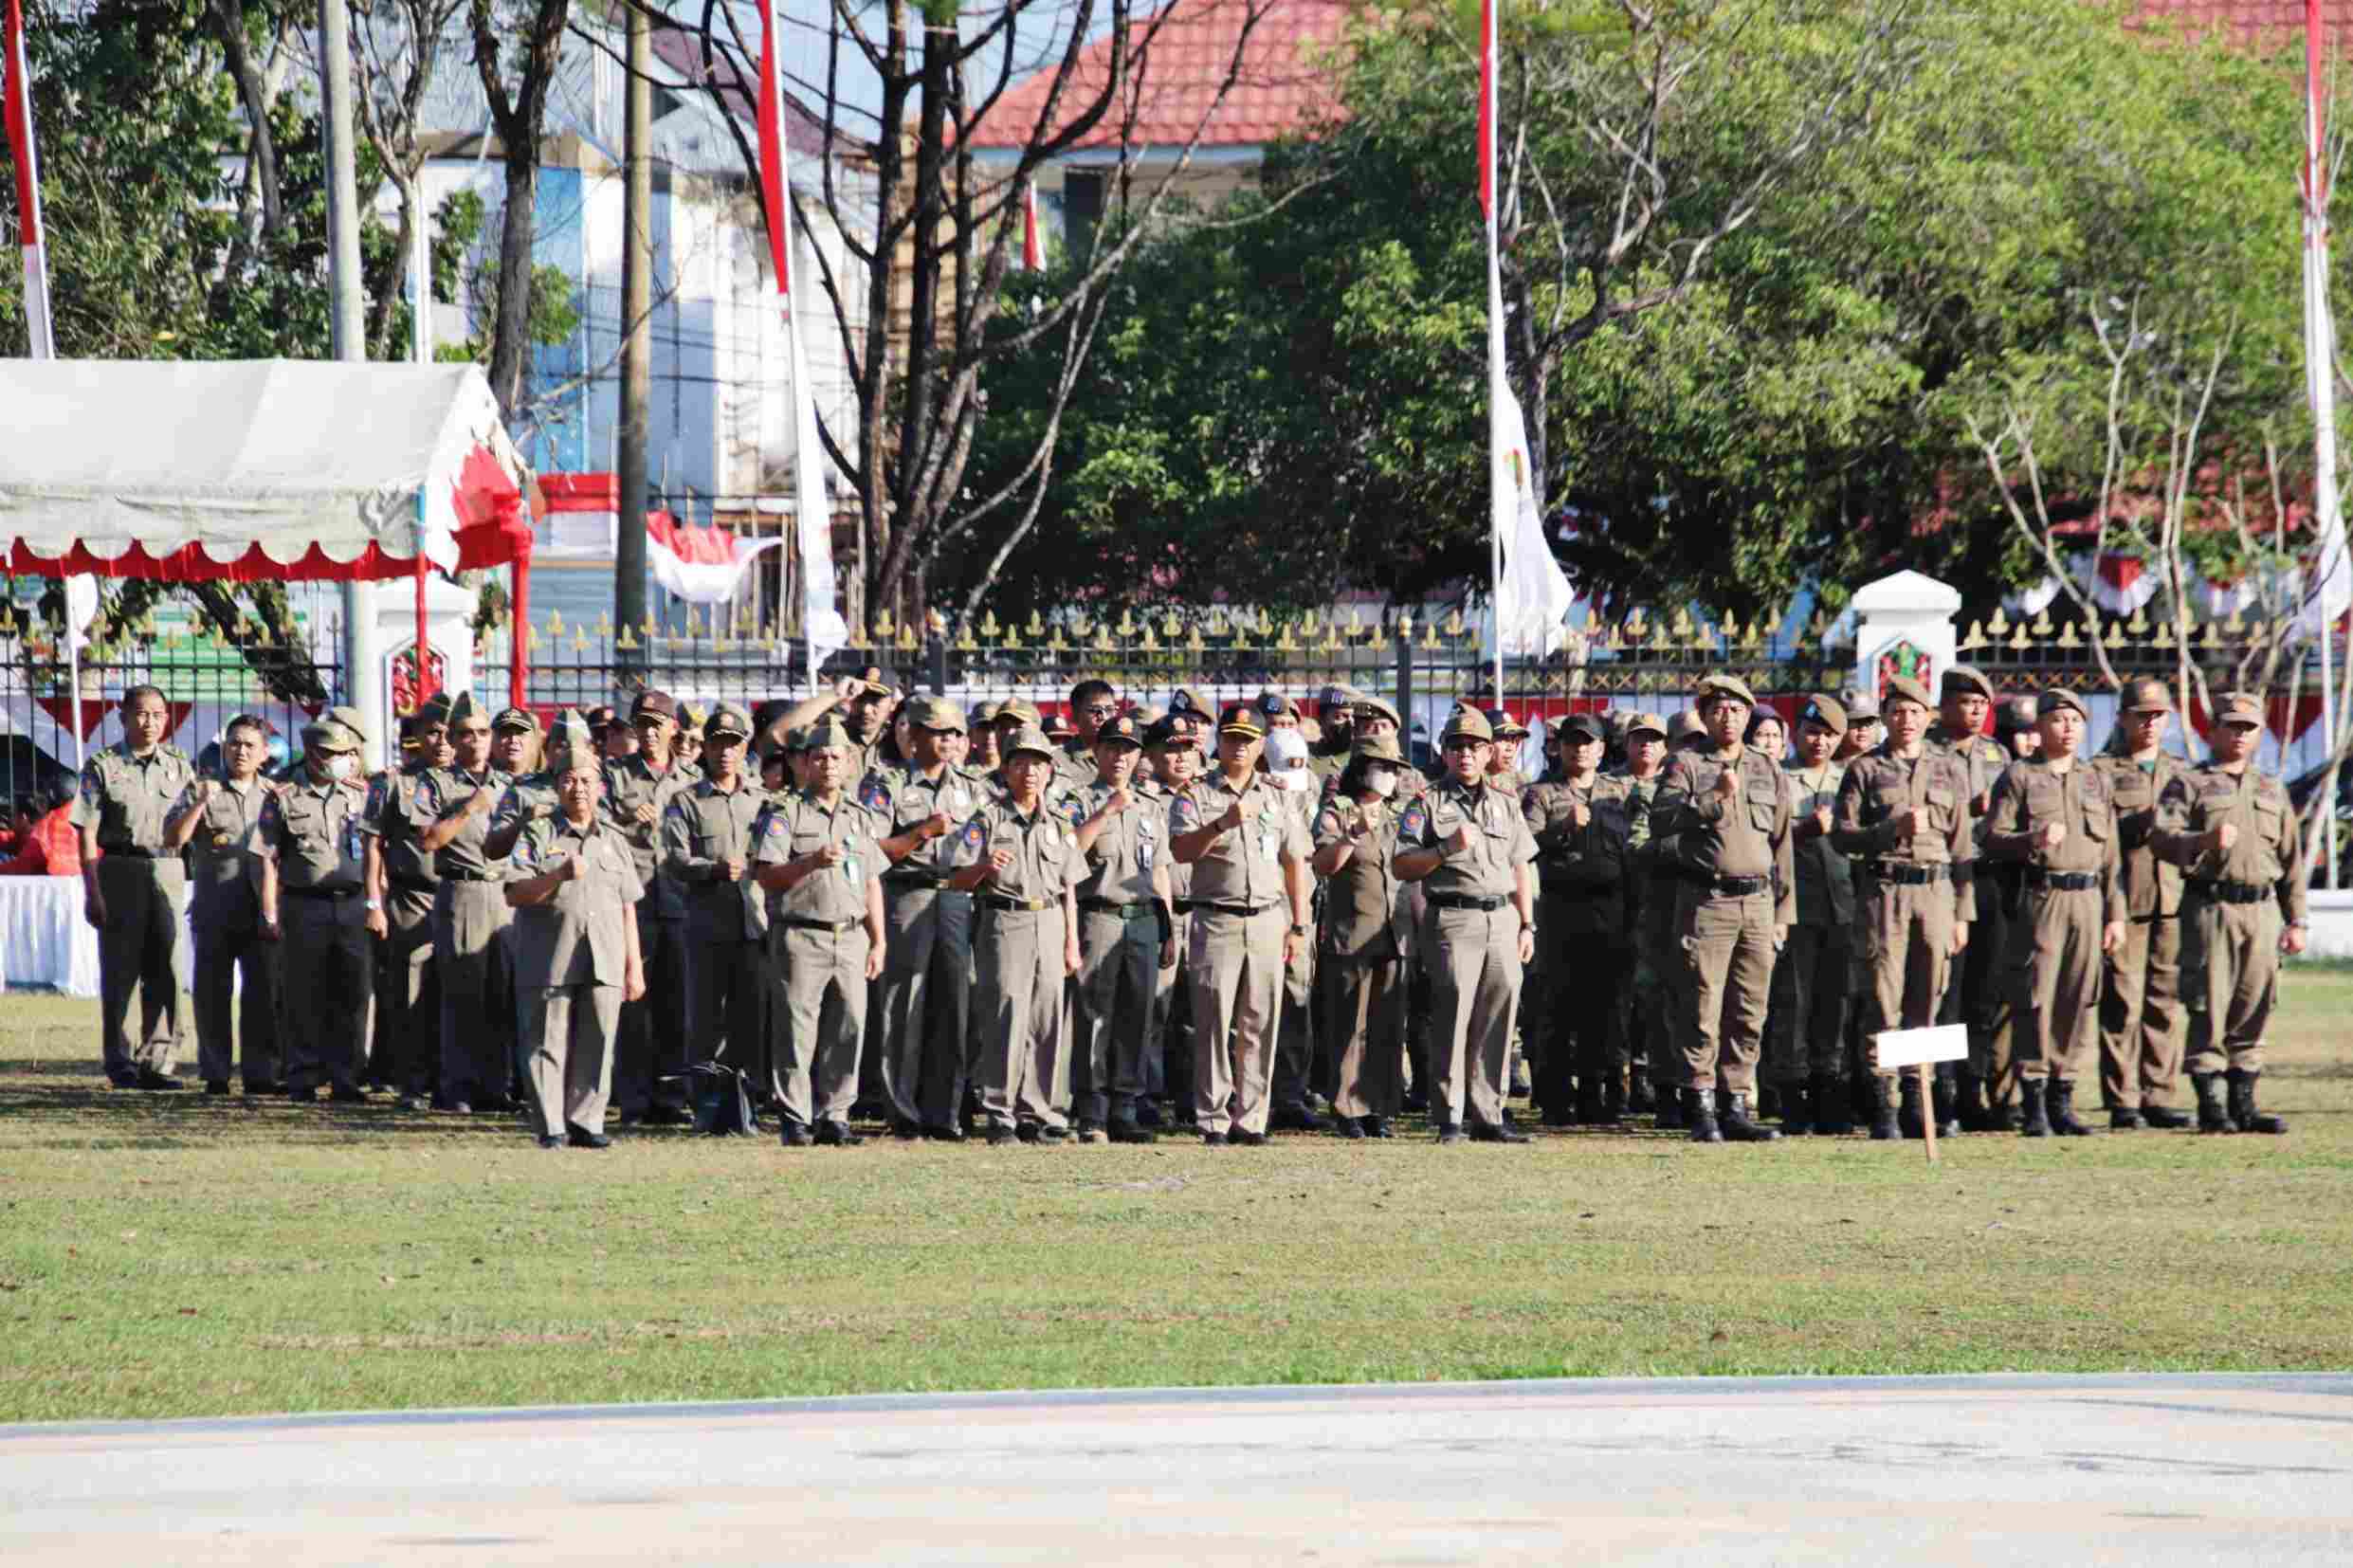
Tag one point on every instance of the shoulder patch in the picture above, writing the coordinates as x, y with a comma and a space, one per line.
1417, 819
974, 831
872, 795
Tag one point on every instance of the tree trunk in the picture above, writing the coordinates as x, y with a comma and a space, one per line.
510, 339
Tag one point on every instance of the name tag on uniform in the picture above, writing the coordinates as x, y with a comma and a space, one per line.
1267, 842
959, 801
1143, 854
849, 870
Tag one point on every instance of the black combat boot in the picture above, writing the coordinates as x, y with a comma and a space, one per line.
2036, 1124
1613, 1102
2213, 1116
2060, 1109
1639, 1101
2125, 1118
1909, 1115
1829, 1095
2154, 1115
1670, 1103
1941, 1100
1796, 1111
1588, 1101
1768, 1099
1739, 1126
2243, 1113
1699, 1114
1969, 1107
1884, 1129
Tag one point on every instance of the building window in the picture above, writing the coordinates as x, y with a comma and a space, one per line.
1081, 208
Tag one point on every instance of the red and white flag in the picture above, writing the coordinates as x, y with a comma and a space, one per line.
41, 343
702, 565
1032, 243
821, 620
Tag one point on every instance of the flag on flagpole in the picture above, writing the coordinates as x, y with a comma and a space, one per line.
2331, 591
821, 620
41, 343
1032, 243
700, 564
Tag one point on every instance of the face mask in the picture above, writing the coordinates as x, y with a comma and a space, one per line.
1382, 782
1294, 779
343, 767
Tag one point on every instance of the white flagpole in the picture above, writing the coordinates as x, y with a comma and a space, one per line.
1502, 503
2320, 373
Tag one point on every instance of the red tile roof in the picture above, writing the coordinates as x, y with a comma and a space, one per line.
2263, 22
681, 53
1285, 84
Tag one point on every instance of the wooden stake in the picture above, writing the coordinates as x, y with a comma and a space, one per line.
1927, 1110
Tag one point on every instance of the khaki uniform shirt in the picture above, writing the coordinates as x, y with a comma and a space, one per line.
1500, 841
128, 800
576, 937
2152, 882
628, 784
394, 817
1879, 784
313, 831
2031, 795
1583, 868
1046, 864
1119, 867
442, 795
1750, 837
1158, 798
2265, 855
701, 827
793, 825
225, 852
902, 798
1825, 875
532, 797
1362, 913
1982, 758
1244, 868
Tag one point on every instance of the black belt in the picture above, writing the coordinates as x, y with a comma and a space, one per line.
1911, 876
1728, 887
1006, 905
910, 879
1467, 901
413, 885
2062, 881
1125, 911
123, 851
2232, 892
1243, 910
800, 922
321, 892
468, 876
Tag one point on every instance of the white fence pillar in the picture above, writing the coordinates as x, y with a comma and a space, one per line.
1904, 625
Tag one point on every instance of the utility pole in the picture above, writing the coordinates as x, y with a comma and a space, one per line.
363, 666
629, 565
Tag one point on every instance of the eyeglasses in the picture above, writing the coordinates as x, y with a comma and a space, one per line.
1093, 709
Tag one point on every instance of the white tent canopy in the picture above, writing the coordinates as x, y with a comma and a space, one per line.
262, 469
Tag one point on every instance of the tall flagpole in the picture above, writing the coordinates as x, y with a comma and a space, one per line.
1501, 504
39, 342
2320, 371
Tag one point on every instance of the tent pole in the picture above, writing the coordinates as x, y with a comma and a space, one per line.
519, 592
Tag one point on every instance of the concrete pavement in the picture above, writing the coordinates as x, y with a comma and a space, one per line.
2156, 1469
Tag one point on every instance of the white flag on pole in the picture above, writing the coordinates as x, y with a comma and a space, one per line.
1532, 596
81, 610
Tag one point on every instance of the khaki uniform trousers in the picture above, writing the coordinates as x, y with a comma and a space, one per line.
2140, 1042
817, 989
1727, 985
323, 988
223, 956
1119, 966
1366, 1018
569, 1034
1237, 1002
2055, 978
2230, 964
1474, 981
1810, 989
138, 947
1908, 932
408, 994
469, 930
1022, 1065
649, 1064
926, 1002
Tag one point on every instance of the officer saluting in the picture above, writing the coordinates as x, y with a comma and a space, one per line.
1469, 846
132, 893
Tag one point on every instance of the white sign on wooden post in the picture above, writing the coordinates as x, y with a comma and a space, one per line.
1920, 1048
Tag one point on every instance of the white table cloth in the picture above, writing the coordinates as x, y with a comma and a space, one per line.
43, 939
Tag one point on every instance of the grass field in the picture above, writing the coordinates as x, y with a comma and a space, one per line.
168, 1255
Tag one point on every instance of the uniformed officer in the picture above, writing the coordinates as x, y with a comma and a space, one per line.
817, 854
1175, 758
314, 894
1335, 717
1126, 936
1503, 769
1582, 823
1298, 1067
219, 824
1905, 810
1728, 812
528, 789
1249, 883
1647, 1008
1093, 704
1468, 845
574, 886
923, 1011
469, 914
980, 729
1974, 996
2014, 726
706, 850
2057, 814
2140, 1037
2231, 829
401, 882
1364, 938
1863, 737
1021, 859
650, 1076
1816, 970
131, 889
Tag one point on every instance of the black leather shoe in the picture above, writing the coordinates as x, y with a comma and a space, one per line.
2244, 1113
1699, 1115
580, 1137
1242, 1137
1349, 1128
1213, 1141
836, 1135
1054, 1135
1295, 1118
1148, 1115
405, 1102
264, 1086
793, 1135
2060, 1110
936, 1133
1827, 1095
2125, 1118
2035, 1122
1000, 1136
348, 1094
1378, 1126
461, 1107
1451, 1132
1483, 1132
1091, 1131
306, 1096
549, 1140
1131, 1132
666, 1115
149, 1079
216, 1085
123, 1080
905, 1130
2164, 1117
1739, 1126
2212, 1114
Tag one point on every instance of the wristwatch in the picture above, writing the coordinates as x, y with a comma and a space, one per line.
374, 905
1298, 930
